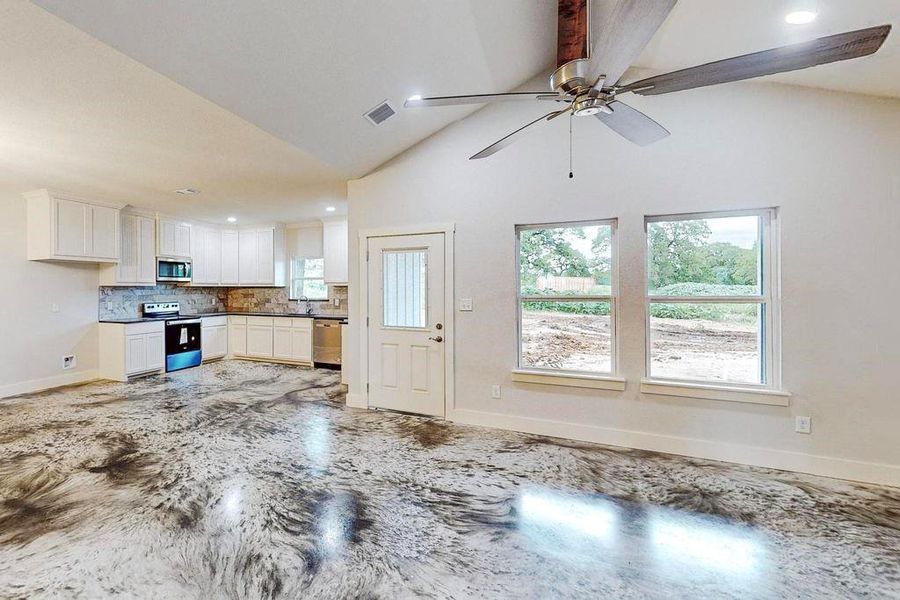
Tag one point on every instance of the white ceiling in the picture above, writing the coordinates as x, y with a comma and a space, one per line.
308, 71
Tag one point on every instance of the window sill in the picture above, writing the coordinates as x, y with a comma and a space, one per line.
715, 392
597, 382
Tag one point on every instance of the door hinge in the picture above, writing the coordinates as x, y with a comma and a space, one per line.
367, 256
367, 321
367, 388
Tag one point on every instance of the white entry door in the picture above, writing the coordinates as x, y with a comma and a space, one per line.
406, 323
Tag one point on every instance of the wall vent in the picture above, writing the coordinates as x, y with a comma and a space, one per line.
380, 113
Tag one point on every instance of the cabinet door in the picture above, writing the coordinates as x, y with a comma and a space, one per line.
71, 228
248, 265
146, 250
104, 232
301, 344
212, 245
282, 343
166, 237
135, 353
238, 339
334, 245
156, 351
198, 256
220, 340
182, 239
259, 341
127, 270
266, 256
230, 245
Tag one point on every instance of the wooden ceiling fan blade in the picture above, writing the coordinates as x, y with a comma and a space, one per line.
512, 137
619, 33
632, 124
415, 102
833, 48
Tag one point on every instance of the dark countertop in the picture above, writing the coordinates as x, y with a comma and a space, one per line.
127, 321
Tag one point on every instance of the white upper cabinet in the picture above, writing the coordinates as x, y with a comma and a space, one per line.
248, 257
334, 244
206, 255
137, 263
65, 228
174, 237
261, 256
230, 252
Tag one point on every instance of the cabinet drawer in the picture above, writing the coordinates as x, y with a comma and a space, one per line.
237, 320
302, 323
215, 321
260, 321
139, 328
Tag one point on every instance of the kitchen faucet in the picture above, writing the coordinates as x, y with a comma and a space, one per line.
308, 305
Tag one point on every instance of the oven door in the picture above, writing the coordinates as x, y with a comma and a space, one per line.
183, 344
173, 269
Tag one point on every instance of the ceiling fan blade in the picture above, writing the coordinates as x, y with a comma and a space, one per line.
843, 46
509, 139
632, 124
474, 99
619, 34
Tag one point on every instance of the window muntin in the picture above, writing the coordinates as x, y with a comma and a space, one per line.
711, 312
308, 278
405, 288
566, 297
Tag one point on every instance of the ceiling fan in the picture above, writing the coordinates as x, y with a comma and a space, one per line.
594, 51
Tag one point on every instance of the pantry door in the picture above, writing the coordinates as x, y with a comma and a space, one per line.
406, 321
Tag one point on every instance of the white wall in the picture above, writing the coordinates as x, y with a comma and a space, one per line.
33, 339
831, 161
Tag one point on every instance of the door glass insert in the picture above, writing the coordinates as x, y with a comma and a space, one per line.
405, 290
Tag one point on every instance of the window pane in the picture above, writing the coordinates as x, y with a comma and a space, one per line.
706, 342
313, 267
573, 336
572, 260
315, 289
405, 294
704, 257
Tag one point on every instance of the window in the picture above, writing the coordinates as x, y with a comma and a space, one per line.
567, 297
308, 278
712, 299
405, 288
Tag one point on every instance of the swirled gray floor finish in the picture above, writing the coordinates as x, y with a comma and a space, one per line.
247, 480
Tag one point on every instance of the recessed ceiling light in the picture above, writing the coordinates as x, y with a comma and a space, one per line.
416, 97
330, 209
800, 17
232, 219
187, 191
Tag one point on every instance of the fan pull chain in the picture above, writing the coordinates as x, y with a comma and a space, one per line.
571, 174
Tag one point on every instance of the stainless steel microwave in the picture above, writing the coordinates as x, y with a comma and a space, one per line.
176, 269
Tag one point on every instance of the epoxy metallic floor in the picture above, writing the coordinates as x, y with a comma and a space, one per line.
247, 480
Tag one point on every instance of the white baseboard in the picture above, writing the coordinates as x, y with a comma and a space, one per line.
357, 401
827, 466
37, 385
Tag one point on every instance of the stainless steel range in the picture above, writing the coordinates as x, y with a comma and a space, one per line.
183, 342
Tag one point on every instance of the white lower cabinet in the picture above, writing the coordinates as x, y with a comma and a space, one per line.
214, 337
131, 349
273, 338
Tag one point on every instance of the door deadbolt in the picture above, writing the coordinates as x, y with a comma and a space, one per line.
438, 326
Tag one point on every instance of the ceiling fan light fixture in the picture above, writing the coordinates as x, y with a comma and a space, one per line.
800, 17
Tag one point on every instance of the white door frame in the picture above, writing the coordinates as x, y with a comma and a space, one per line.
449, 230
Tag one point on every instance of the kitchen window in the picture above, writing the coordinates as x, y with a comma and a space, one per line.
308, 278
567, 302
712, 303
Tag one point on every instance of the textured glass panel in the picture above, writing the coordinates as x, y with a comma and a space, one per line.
572, 260
572, 336
706, 342
405, 292
704, 257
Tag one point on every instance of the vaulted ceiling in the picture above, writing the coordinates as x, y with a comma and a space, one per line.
261, 104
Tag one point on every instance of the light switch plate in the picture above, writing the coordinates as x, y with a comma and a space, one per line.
465, 304
803, 424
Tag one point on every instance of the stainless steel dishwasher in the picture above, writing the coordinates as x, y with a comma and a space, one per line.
327, 343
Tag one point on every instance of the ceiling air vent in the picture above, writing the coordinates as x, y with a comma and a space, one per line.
380, 113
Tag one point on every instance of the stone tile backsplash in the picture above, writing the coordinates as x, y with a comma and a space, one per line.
125, 302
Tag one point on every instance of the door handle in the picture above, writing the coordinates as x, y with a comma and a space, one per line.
436, 339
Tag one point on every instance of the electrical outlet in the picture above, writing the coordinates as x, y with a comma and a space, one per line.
54, 307
68, 362
109, 306
803, 424
465, 304
336, 301
495, 392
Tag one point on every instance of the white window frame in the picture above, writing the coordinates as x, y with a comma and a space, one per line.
564, 377
769, 298
293, 279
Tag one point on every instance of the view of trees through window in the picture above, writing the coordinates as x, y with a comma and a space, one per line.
565, 283
717, 259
